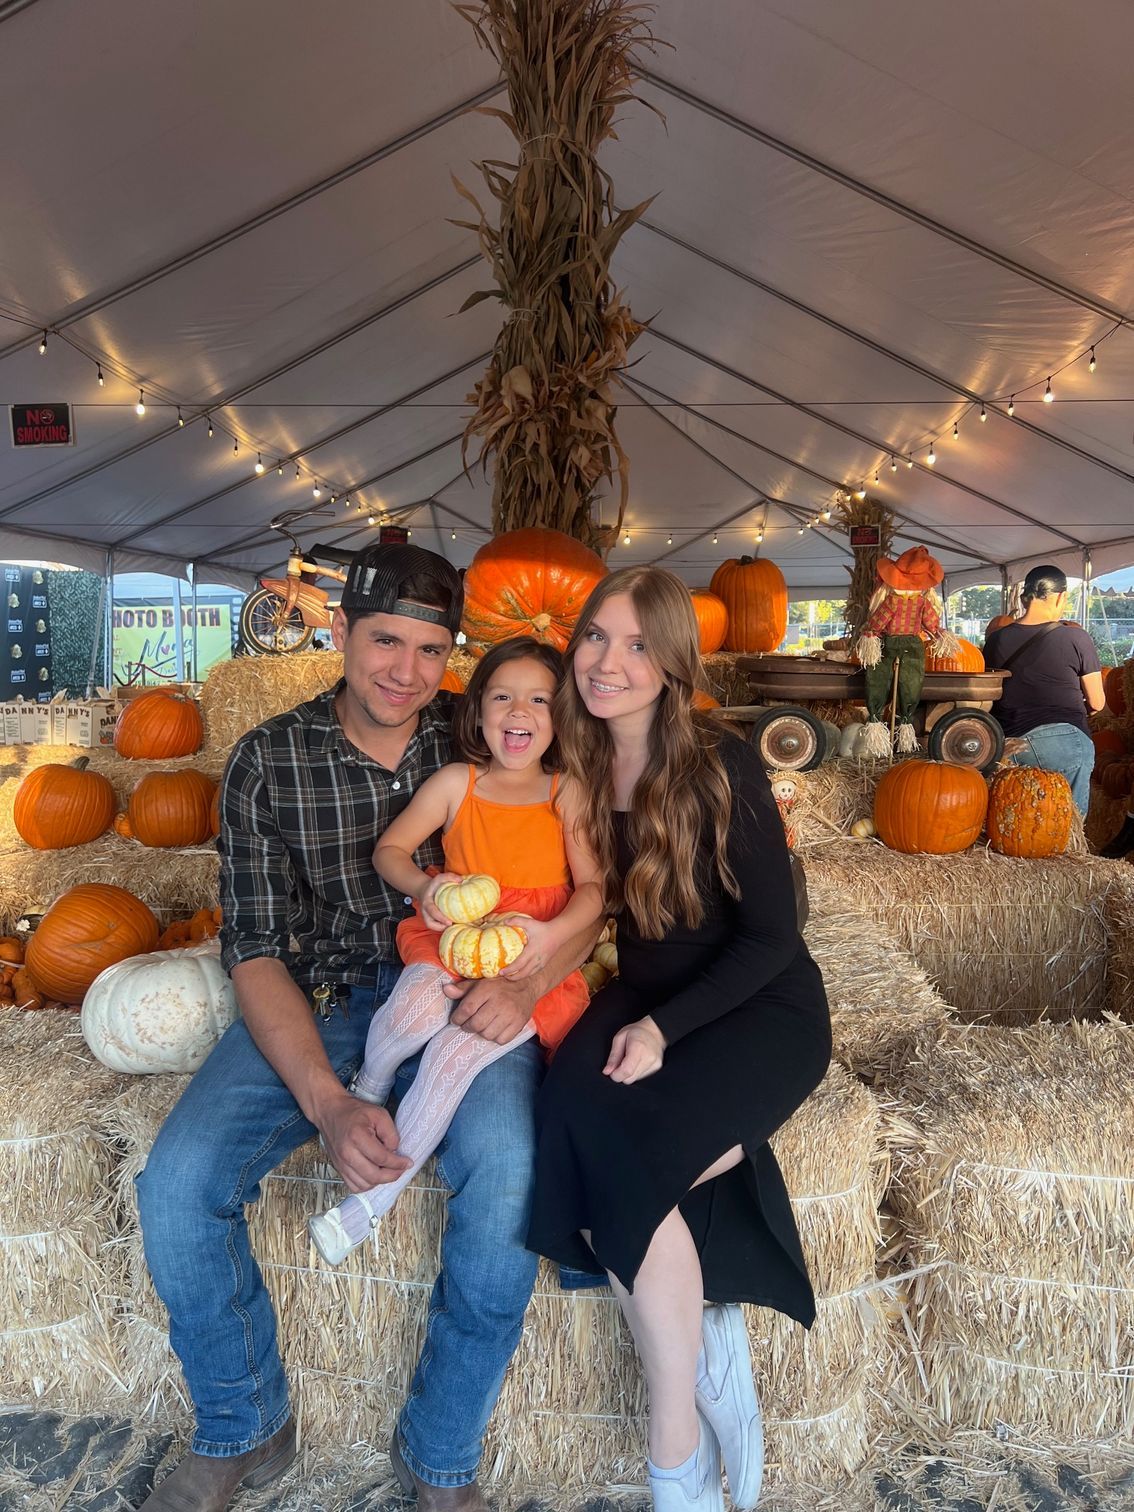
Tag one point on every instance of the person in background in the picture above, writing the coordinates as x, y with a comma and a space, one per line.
1055, 682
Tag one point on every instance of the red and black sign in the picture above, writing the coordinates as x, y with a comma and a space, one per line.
41, 425
863, 537
392, 535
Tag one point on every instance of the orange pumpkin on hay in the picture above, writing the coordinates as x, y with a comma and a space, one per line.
528, 582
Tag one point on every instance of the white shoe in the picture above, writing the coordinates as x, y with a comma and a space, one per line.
726, 1395
700, 1487
355, 1090
329, 1237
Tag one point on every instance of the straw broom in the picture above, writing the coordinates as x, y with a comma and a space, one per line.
545, 411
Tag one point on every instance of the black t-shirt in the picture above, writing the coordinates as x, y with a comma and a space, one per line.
1043, 685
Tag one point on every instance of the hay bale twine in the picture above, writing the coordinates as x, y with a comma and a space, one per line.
60, 1343
1014, 1174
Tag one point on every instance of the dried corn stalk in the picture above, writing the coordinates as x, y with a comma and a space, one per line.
852, 511
544, 410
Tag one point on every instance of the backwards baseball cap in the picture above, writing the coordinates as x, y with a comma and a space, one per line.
377, 576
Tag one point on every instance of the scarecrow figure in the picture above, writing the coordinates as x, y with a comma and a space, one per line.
904, 612
786, 788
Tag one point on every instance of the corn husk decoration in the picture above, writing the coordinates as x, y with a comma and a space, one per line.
544, 410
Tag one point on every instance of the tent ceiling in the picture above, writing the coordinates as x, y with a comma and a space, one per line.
866, 223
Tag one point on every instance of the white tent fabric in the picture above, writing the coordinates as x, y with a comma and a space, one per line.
871, 217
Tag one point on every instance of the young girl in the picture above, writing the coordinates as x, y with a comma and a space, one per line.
503, 813
653, 1163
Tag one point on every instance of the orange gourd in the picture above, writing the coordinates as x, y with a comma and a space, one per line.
11, 950
480, 950
754, 593
25, 991
172, 808
84, 931
969, 658
214, 812
59, 805
1030, 812
452, 681
931, 807
703, 700
123, 827
528, 582
156, 726
1114, 686
712, 619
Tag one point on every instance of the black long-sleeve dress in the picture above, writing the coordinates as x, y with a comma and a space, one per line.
742, 1008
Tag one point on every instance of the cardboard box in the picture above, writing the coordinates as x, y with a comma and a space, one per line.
91, 723
28, 722
59, 708
43, 724
11, 723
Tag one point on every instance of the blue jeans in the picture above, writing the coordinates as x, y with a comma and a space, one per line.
236, 1122
1062, 748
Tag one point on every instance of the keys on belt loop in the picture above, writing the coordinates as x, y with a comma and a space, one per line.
321, 999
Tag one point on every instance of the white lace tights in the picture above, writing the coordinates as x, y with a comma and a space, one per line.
416, 1014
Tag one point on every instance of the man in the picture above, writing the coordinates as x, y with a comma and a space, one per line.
305, 798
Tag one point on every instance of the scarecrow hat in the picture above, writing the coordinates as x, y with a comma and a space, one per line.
915, 570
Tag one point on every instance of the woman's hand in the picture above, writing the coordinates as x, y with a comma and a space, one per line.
541, 946
636, 1051
430, 913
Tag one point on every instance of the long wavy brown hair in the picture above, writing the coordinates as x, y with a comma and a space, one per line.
683, 789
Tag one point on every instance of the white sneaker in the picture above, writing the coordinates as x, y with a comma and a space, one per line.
356, 1090
700, 1487
329, 1237
726, 1395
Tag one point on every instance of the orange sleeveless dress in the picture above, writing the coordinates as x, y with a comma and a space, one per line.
522, 847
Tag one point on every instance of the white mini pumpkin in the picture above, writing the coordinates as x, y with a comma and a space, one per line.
851, 746
159, 1012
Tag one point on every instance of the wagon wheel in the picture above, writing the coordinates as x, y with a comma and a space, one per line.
967, 737
790, 739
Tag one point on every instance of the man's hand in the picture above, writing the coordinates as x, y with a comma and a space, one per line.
540, 946
635, 1052
430, 913
362, 1142
493, 1008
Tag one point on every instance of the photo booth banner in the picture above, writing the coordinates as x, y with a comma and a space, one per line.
25, 647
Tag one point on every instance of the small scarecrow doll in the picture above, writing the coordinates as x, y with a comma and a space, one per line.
904, 612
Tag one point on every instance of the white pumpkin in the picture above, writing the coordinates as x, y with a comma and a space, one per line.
851, 743
159, 1012
606, 954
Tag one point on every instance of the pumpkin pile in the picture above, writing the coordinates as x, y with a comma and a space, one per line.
17, 990
603, 963
203, 925
476, 944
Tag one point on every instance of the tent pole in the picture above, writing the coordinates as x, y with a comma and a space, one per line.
1085, 596
100, 619
196, 627
108, 623
1004, 590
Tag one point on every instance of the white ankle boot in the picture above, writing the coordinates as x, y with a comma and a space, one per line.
700, 1487
726, 1397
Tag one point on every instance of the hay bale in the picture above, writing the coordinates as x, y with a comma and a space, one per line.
881, 1000
242, 693
1002, 939
60, 1343
172, 882
1013, 1179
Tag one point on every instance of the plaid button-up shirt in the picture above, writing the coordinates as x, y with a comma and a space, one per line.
301, 811
902, 613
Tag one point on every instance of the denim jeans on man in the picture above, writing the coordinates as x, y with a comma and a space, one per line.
1062, 748
236, 1122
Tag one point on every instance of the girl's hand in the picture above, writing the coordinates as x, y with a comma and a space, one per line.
430, 913
636, 1051
536, 953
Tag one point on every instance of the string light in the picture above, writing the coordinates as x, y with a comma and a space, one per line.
408, 534
669, 540
1048, 396
1012, 405
259, 463
316, 491
1092, 364
931, 456
800, 531
101, 379
893, 463
370, 520
714, 538
43, 344
983, 412
876, 475
860, 492
826, 515
453, 535
956, 430
626, 539
759, 536
210, 418
297, 472
235, 447
180, 419
909, 461
279, 469
140, 407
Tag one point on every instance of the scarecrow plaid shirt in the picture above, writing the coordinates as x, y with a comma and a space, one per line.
902, 613
301, 811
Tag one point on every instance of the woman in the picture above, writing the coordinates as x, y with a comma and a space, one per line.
653, 1162
1055, 681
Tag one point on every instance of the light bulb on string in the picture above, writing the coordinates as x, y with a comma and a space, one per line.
893, 463
1012, 405
370, 520
669, 540
279, 469
316, 491
408, 534
235, 447
983, 411
180, 419
800, 531
140, 407
210, 419
876, 475
1048, 396
931, 455
860, 492
452, 535
826, 515
626, 539
43, 344
909, 460
956, 430
297, 472
259, 463
334, 496
101, 379
714, 538
1092, 364
759, 537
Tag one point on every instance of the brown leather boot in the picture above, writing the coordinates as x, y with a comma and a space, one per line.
435, 1498
202, 1483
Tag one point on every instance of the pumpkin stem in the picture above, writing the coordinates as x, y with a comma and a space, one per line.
80, 763
541, 621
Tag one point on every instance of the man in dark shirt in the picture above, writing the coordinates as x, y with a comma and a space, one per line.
1054, 681
304, 800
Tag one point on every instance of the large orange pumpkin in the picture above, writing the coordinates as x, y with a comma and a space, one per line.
754, 593
712, 619
158, 725
934, 807
969, 658
83, 932
214, 812
172, 808
453, 682
528, 582
1108, 743
58, 806
703, 700
1114, 686
1030, 812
